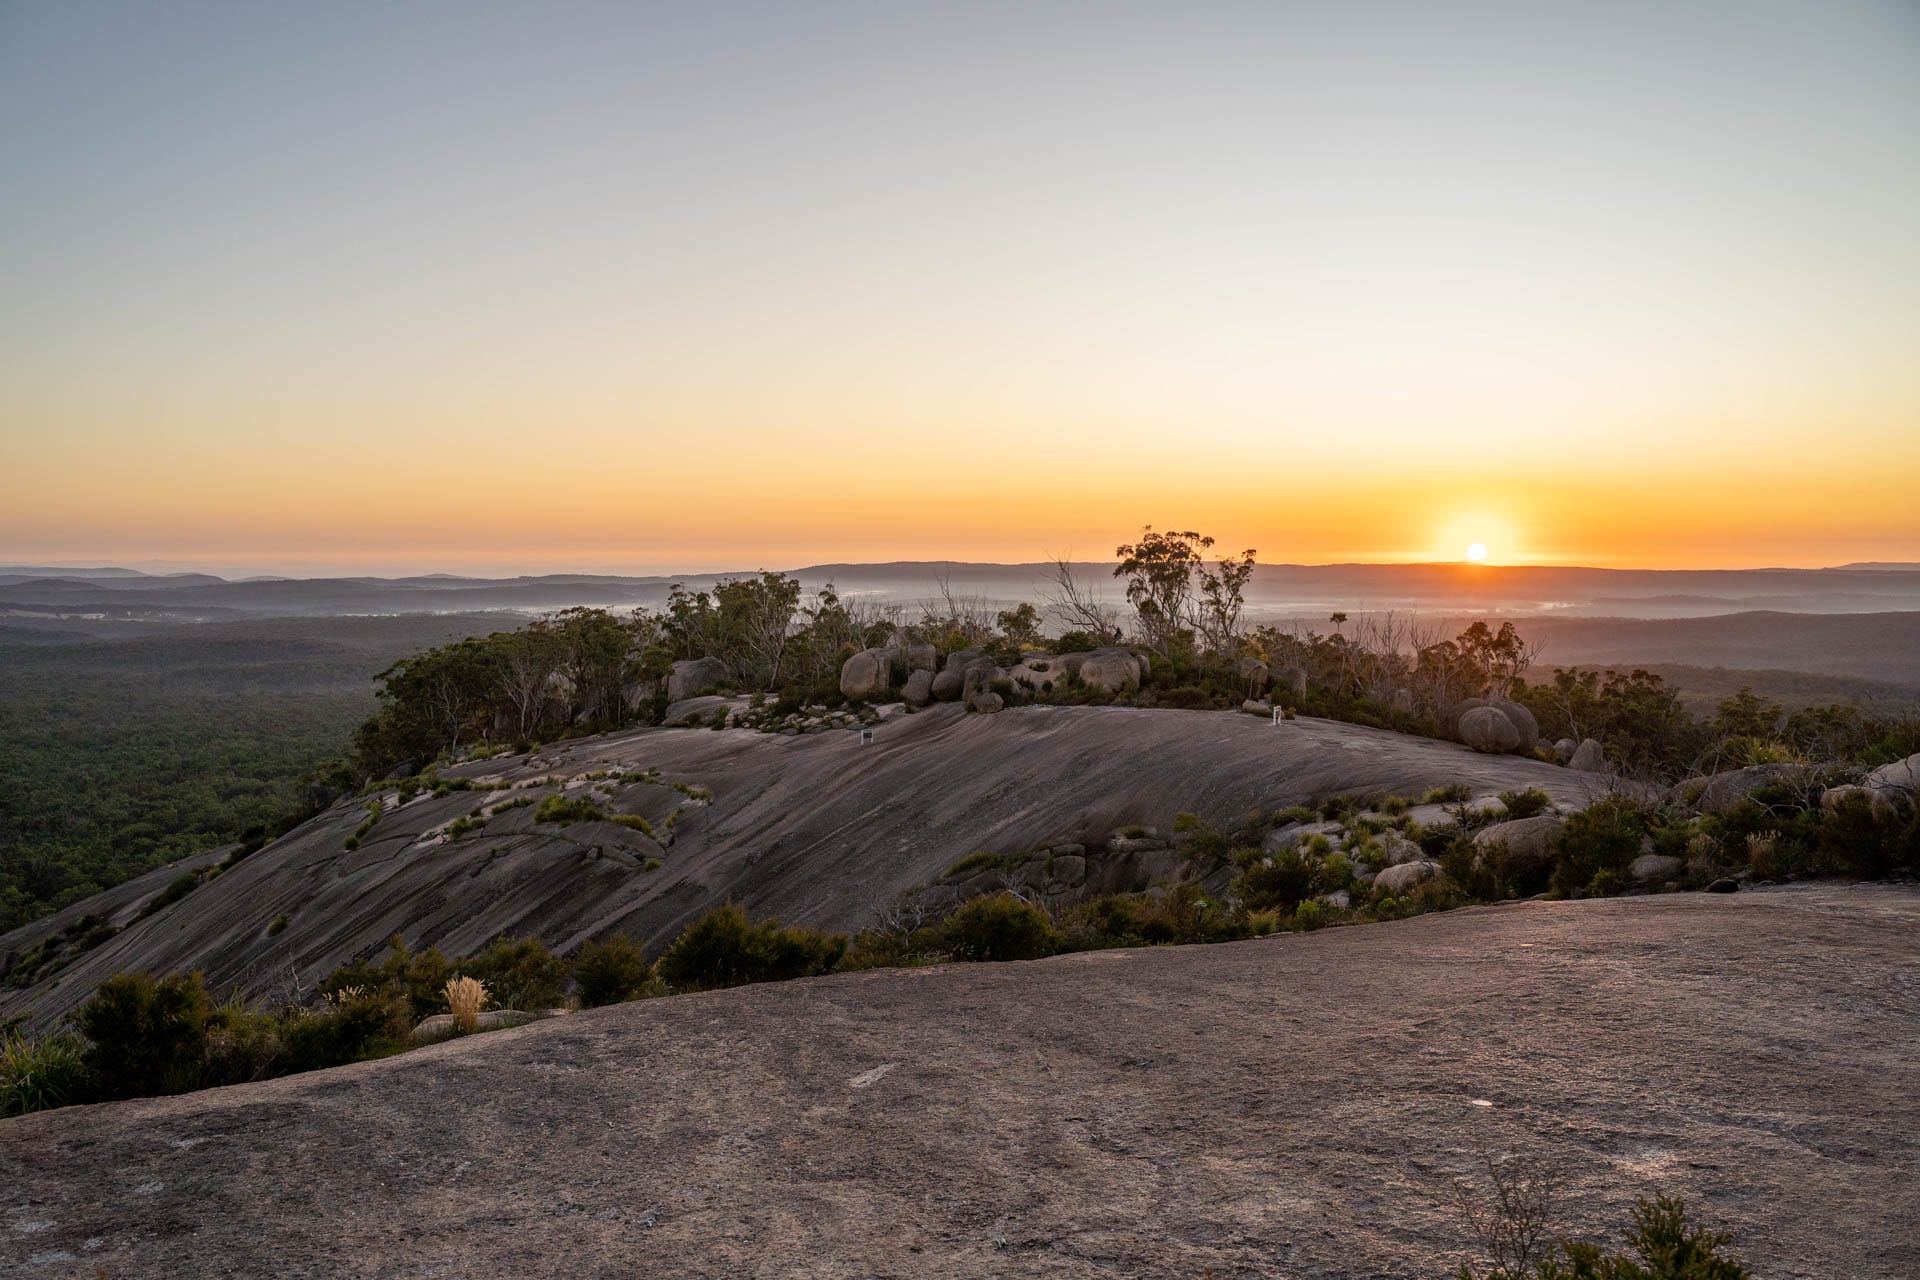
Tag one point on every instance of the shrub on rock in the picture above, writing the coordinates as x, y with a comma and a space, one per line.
611, 972
147, 1035
725, 949
1000, 927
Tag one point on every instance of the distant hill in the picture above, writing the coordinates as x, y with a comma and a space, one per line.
1276, 590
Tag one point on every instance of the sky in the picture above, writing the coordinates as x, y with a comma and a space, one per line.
361, 287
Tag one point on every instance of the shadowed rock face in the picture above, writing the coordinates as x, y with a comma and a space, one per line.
817, 829
1297, 1106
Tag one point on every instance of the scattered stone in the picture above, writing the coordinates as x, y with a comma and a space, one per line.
1280, 839
919, 689
1530, 841
1588, 757
1724, 885
867, 675
1110, 669
948, 686
985, 701
1405, 876
1563, 750
1489, 731
1882, 802
1901, 775
692, 677
1255, 707
1039, 673
440, 1026
1522, 720
1339, 898
1656, 868
916, 657
1720, 792
1396, 849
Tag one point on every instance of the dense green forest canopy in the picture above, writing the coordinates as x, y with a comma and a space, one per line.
123, 755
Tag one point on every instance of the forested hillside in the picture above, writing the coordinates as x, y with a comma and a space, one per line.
121, 755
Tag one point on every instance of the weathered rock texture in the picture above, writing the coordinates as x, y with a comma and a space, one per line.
815, 828
1293, 1107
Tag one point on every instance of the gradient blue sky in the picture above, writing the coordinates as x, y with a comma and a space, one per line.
698, 286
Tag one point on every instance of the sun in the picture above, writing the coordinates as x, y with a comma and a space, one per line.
1477, 552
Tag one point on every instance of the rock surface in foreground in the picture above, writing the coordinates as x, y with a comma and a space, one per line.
1297, 1107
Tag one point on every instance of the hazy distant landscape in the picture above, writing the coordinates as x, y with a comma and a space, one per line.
1275, 590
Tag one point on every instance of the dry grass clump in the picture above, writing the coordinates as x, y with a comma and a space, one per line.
465, 997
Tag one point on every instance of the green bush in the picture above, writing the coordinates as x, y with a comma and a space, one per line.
179, 887
1604, 837
611, 972
367, 1025
1157, 917
561, 809
421, 978
1859, 843
1202, 840
147, 1036
1281, 880
520, 973
1309, 915
1526, 804
1000, 926
36, 1075
724, 949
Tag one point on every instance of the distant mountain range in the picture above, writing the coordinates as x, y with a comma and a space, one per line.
1276, 590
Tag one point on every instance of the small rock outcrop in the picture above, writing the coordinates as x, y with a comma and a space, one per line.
919, 689
441, 1026
1901, 775
1523, 720
1396, 849
916, 657
1532, 841
1890, 791
1280, 839
1487, 730
1656, 868
1588, 757
1495, 726
868, 674
1110, 669
694, 676
1405, 876
1563, 750
1719, 792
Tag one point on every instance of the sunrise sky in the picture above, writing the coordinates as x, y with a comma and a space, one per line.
353, 287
